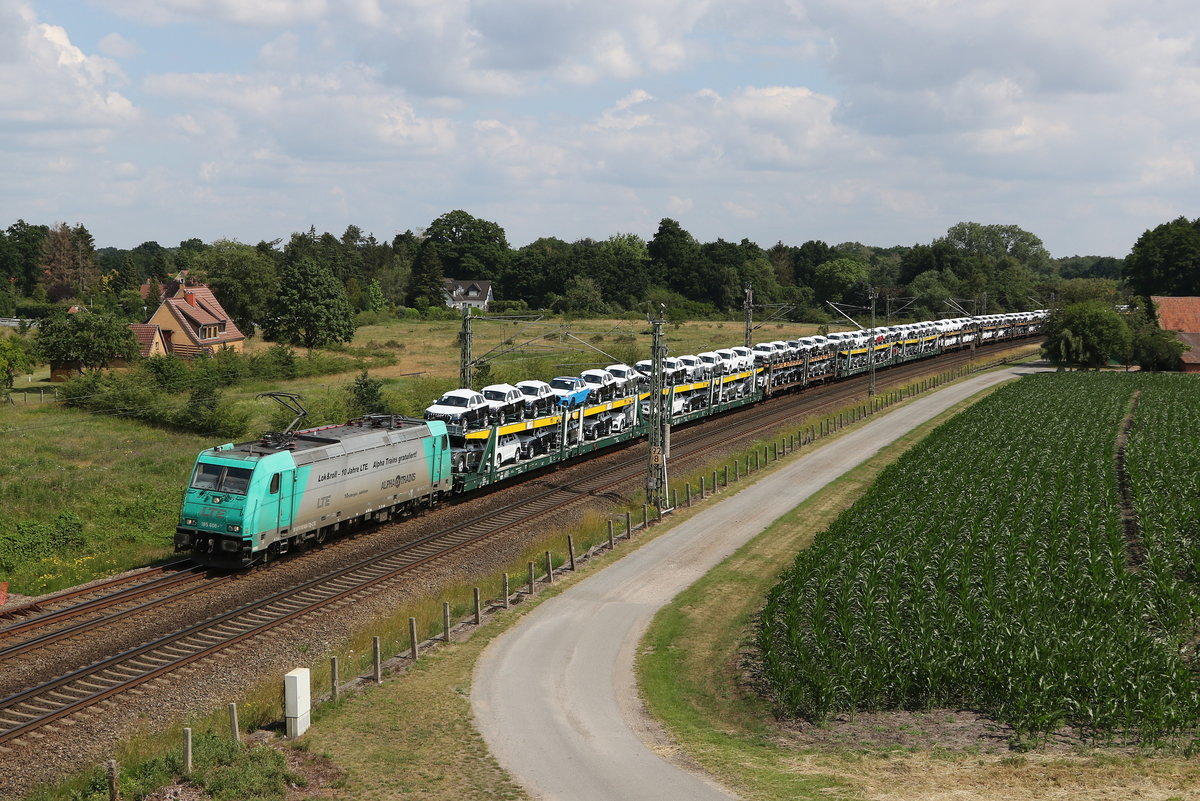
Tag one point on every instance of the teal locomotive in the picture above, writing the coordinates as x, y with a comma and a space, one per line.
254, 501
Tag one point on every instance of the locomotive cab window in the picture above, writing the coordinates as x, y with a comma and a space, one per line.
218, 478
275, 483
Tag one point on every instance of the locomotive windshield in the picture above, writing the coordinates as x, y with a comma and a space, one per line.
218, 478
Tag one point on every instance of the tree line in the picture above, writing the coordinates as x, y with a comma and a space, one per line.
314, 288
994, 267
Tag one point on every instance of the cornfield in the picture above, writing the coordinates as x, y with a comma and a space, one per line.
989, 569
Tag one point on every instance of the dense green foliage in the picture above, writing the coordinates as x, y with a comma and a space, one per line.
1166, 260
1088, 334
84, 338
988, 569
186, 395
310, 308
245, 279
994, 267
15, 357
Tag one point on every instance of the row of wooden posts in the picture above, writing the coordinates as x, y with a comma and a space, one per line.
753, 462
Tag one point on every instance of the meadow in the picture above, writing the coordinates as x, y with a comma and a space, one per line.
991, 568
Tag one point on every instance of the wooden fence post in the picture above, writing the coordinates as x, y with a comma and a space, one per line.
334, 678
571, 551
187, 751
414, 646
478, 608
377, 660
506, 591
612, 545
446, 619
114, 786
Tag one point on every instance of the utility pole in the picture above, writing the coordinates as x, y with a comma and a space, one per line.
874, 294
748, 308
465, 367
658, 420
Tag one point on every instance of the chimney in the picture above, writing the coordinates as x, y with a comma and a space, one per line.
190, 297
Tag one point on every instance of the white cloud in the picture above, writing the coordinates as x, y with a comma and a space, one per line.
117, 46
265, 13
51, 92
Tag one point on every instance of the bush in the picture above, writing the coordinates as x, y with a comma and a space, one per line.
32, 540
34, 309
508, 307
366, 395
168, 372
373, 317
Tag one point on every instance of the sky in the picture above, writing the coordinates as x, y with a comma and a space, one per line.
878, 121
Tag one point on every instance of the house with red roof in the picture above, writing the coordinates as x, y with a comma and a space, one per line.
192, 322
1181, 315
150, 339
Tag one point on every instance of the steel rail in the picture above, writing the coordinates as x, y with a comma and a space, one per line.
36, 606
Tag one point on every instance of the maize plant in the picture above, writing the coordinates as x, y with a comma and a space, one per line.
989, 569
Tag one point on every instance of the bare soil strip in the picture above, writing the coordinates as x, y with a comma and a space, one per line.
1135, 548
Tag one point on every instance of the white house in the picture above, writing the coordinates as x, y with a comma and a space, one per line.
464, 294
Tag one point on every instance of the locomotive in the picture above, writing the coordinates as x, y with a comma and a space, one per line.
251, 502
257, 500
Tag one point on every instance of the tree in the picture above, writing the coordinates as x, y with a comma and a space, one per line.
373, 298
991, 243
427, 284
1166, 260
83, 338
468, 247
243, 278
23, 255
834, 279
673, 255
1151, 348
1088, 334
15, 358
536, 270
366, 395
581, 295
310, 309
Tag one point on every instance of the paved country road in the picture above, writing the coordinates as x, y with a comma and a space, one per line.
555, 696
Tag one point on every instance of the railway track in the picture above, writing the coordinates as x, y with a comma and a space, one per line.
39, 612
35, 708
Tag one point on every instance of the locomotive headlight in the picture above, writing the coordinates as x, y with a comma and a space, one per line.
191, 521
235, 529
